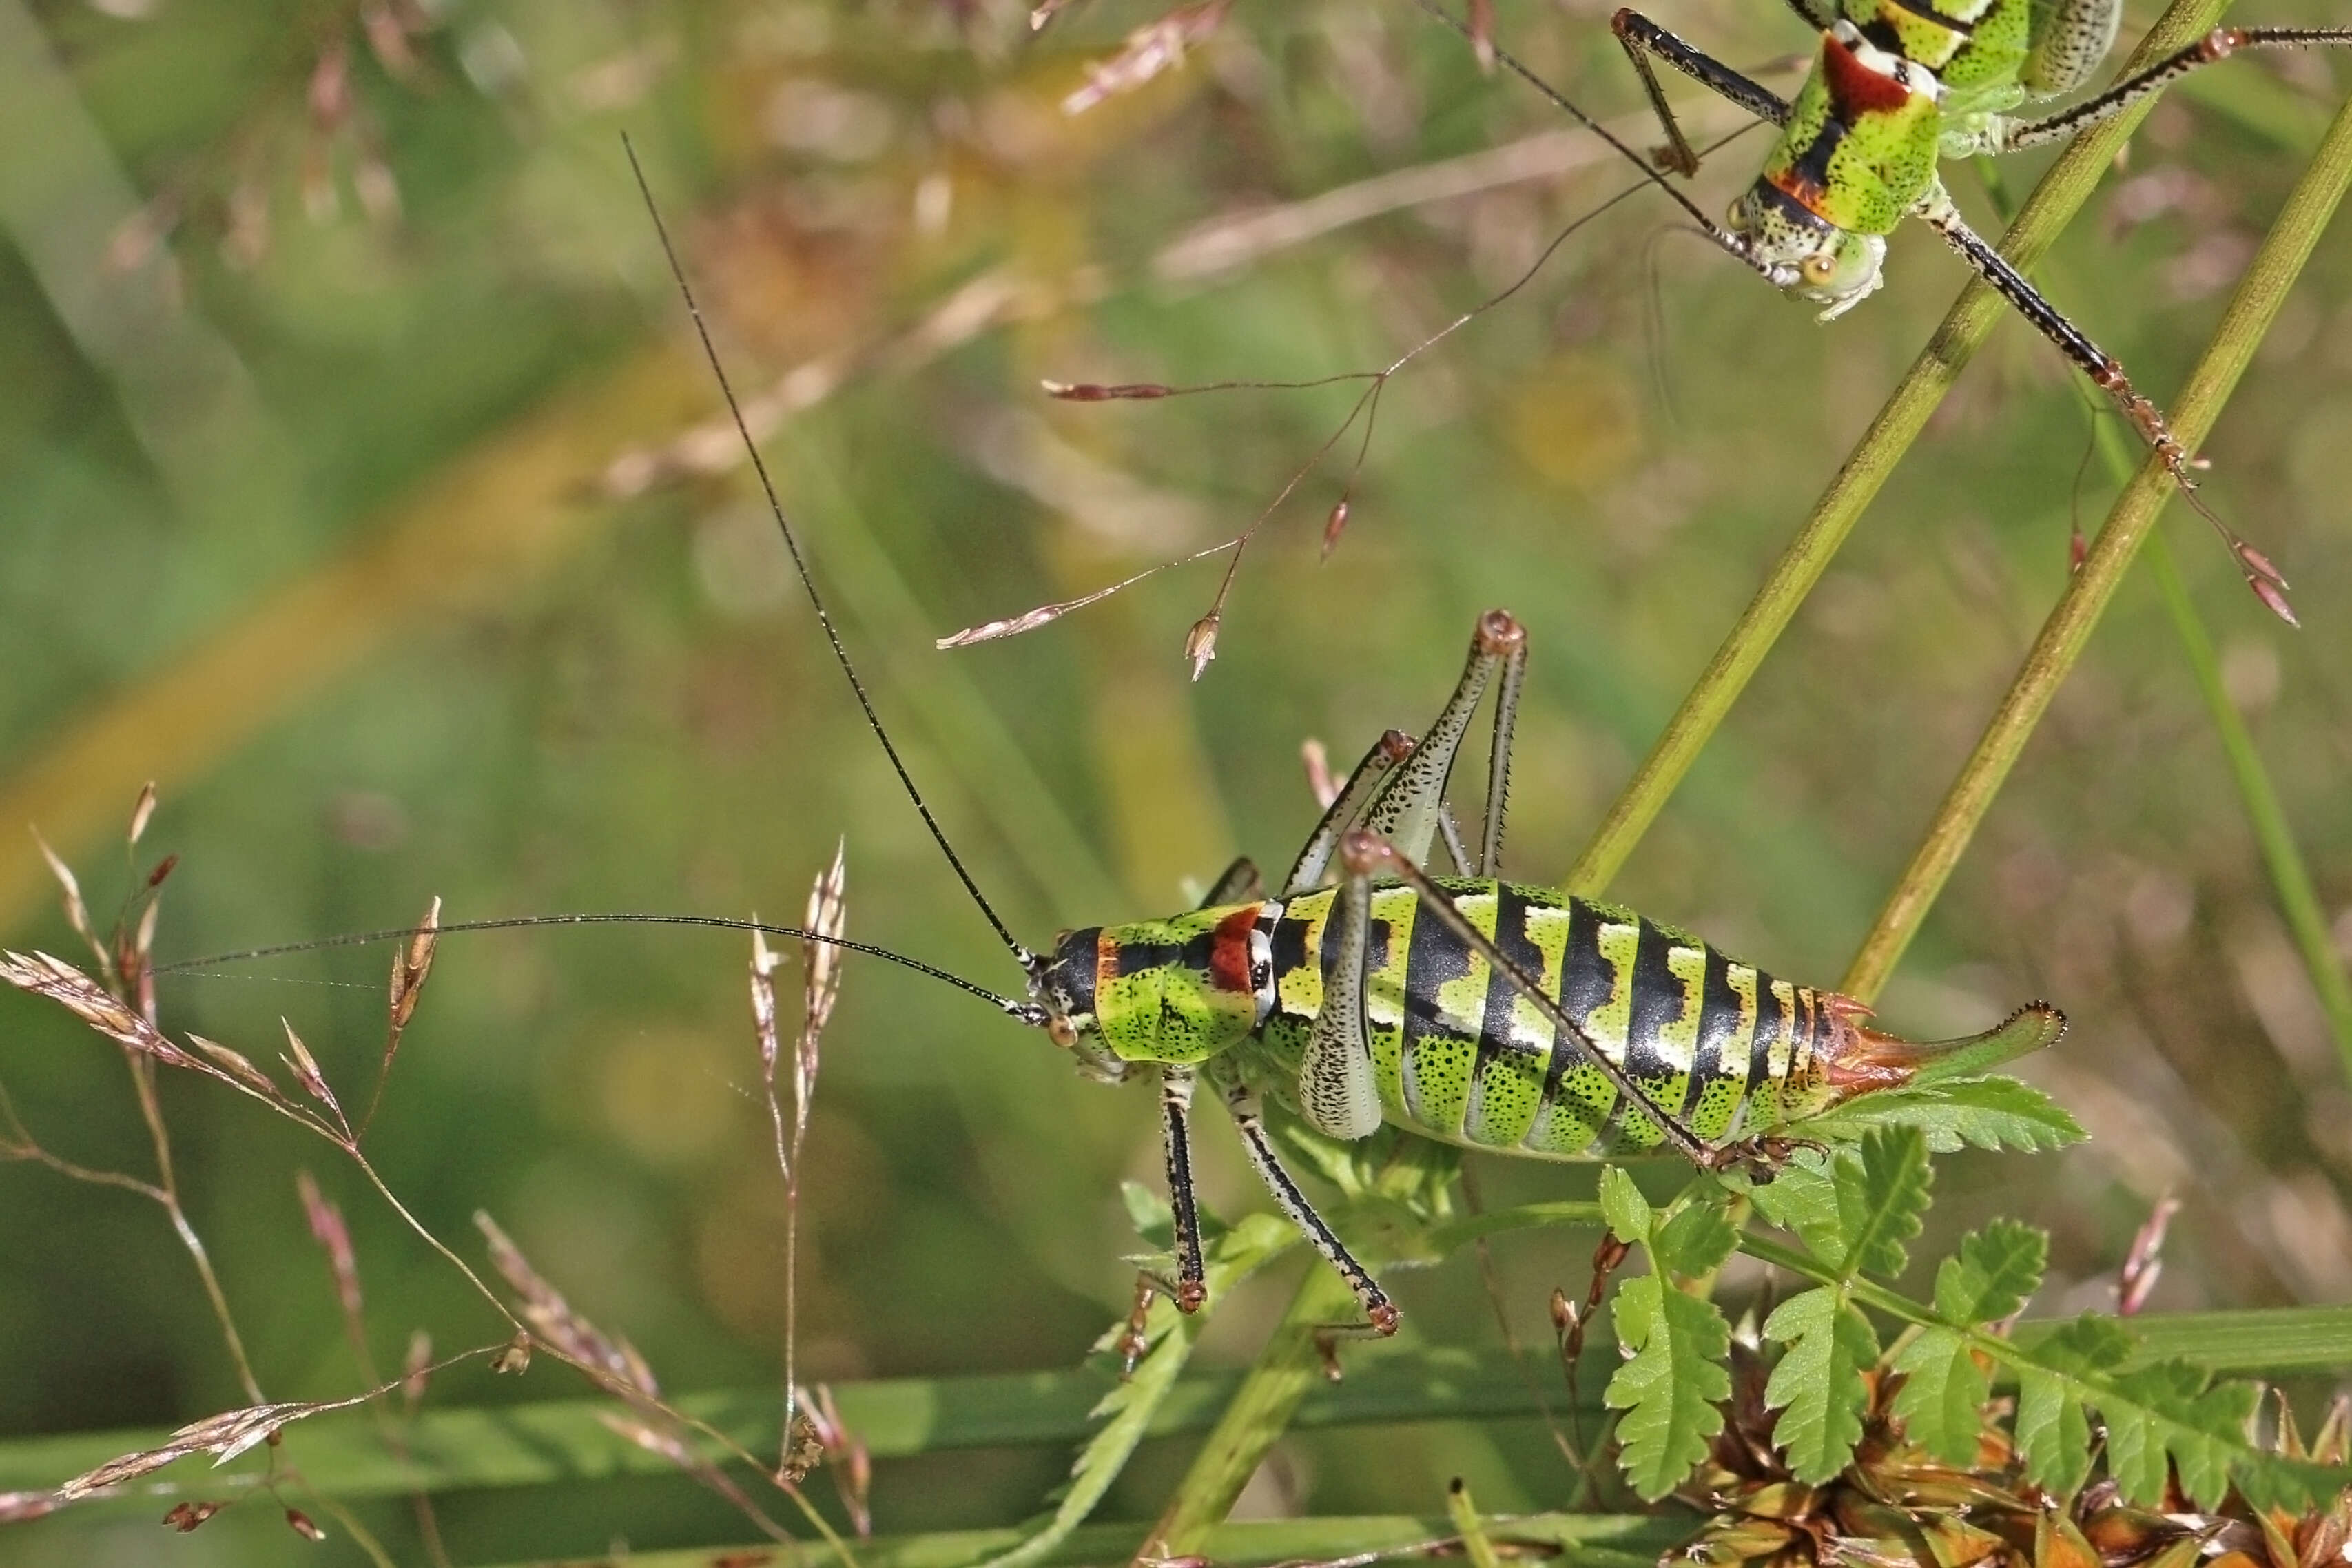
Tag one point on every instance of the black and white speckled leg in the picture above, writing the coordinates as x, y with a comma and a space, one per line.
1175, 1114
1379, 1313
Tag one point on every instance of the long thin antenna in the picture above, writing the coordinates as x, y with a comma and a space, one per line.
1022, 955
1027, 1012
1559, 100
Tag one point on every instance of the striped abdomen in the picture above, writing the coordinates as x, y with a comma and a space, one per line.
1458, 1054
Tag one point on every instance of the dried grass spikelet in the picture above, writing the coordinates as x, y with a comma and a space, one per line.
1150, 50
410, 965
69, 890
86, 999
828, 916
305, 1068
552, 1319
334, 1238
224, 1436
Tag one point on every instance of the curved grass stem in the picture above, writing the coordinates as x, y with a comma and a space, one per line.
2252, 310
2054, 202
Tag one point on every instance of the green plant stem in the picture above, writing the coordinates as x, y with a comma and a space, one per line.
1591, 1541
1285, 1371
2054, 202
2292, 878
567, 1442
2252, 308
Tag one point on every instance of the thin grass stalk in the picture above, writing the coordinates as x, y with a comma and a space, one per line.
2054, 202
2252, 310
2290, 877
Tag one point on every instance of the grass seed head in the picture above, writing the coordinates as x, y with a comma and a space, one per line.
69, 890
552, 1319
86, 999
828, 916
142, 810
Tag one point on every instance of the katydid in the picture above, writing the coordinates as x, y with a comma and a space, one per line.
1480, 1012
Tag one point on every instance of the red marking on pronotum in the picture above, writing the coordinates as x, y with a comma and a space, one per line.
1855, 89
1792, 183
1229, 950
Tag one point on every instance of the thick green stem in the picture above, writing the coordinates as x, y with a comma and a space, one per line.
2284, 252
2298, 901
2054, 202
1261, 1409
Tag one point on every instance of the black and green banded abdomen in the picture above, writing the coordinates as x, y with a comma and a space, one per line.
1458, 1054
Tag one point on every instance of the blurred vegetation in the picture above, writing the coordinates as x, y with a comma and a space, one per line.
362, 491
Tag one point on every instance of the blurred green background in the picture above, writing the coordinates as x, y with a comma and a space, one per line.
361, 488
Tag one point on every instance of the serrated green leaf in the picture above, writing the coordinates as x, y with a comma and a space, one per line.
1623, 1204
1148, 1213
1993, 1113
1996, 1269
1817, 1386
1694, 1242
1804, 1202
2166, 1410
2052, 1432
2161, 1420
1941, 1402
2091, 1343
2272, 1481
1670, 1387
1881, 1195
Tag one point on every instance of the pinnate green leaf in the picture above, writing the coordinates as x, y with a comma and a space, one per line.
1627, 1210
1942, 1398
1881, 1195
1148, 1213
2090, 1343
2052, 1432
1817, 1386
2162, 1419
2166, 1410
1670, 1387
1803, 1201
1695, 1241
1996, 1269
1991, 1113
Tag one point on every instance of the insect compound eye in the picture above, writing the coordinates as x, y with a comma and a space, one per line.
1735, 216
1819, 268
